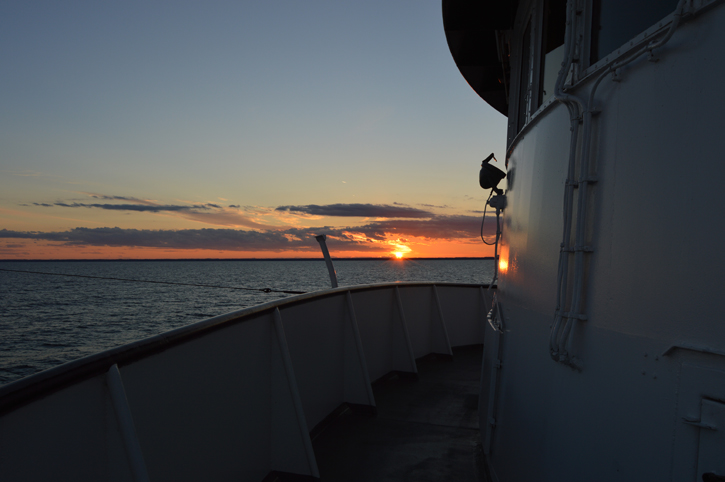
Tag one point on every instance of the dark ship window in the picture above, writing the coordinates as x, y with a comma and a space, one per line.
552, 47
525, 79
614, 22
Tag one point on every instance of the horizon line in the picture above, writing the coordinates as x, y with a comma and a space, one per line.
250, 259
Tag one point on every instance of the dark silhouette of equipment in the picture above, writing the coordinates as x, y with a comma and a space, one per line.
490, 176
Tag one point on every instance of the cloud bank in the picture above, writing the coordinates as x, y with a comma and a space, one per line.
153, 208
358, 210
372, 237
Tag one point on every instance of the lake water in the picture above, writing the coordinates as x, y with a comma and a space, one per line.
46, 319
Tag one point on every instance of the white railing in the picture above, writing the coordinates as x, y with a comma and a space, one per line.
229, 398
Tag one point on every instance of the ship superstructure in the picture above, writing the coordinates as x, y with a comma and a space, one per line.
605, 357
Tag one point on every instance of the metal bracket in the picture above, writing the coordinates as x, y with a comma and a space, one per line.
698, 423
493, 321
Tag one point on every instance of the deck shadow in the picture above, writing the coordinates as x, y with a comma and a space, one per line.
424, 429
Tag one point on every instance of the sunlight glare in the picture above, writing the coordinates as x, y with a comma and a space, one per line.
503, 264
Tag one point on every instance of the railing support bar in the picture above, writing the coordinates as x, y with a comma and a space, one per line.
360, 351
442, 321
408, 344
294, 391
126, 425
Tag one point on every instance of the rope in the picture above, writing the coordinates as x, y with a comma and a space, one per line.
264, 290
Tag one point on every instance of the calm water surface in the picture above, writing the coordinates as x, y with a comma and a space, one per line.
47, 320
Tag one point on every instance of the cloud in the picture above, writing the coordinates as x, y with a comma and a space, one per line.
213, 239
438, 227
372, 237
118, 198
358, 210
208, 213
113, 198
224, 217
153, 208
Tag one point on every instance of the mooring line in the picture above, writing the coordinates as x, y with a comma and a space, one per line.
264, 290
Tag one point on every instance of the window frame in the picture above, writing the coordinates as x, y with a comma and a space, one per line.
531, 16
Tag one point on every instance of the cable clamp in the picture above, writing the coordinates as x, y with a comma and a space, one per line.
578, 316
588, 180
586, 249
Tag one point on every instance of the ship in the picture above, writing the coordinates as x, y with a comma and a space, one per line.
597, 353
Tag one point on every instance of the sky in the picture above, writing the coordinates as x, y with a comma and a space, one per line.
239, 129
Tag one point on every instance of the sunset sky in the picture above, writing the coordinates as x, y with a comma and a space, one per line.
237, 129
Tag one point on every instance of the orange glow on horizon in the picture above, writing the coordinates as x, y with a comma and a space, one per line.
414, 248
398, 255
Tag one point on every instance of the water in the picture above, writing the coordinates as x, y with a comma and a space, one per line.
48, 320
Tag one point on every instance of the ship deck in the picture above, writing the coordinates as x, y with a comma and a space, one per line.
425, 429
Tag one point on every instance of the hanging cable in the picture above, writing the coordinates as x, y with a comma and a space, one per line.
264, 290
484, 218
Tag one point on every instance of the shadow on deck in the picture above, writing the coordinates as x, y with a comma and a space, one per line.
426, 429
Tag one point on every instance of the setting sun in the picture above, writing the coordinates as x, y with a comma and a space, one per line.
400, 249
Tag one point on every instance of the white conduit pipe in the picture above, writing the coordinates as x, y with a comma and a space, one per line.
575, 105
563, 273
563, 341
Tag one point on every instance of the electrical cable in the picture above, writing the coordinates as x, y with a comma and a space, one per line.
484, 218
264, 290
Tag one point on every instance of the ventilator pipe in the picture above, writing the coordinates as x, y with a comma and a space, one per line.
328, 261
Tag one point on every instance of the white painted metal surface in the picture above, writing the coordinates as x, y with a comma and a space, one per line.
230, 398
650, 340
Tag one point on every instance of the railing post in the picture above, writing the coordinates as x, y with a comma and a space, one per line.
330, 269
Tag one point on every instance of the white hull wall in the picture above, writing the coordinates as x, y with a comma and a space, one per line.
655, 279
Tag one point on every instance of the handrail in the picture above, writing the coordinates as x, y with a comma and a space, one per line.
233, 396
30, 388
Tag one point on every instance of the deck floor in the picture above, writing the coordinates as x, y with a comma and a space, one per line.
424, 430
